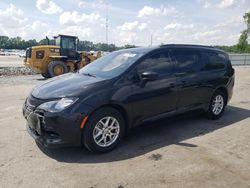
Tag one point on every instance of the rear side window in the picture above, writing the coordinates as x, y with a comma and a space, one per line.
159, 63
187, 60
214, 60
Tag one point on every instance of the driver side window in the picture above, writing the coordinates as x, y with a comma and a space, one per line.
159, 63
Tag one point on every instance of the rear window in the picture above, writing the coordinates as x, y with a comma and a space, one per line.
214, 60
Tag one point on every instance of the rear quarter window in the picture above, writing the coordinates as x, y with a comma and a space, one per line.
214, 60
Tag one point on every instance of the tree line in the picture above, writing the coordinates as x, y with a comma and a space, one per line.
18, 43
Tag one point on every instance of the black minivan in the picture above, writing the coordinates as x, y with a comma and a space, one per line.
97, 105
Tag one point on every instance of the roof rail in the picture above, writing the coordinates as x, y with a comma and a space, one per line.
185, 45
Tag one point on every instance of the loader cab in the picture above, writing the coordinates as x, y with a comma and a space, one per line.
68, 46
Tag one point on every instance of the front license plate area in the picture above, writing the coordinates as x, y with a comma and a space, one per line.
34, 122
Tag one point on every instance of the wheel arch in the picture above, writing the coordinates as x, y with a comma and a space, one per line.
220, 88
121, 110
224, 90
209, 112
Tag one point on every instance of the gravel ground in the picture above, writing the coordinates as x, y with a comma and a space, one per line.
13, 66
186, 151
16, 71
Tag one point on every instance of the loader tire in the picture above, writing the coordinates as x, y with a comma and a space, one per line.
57, 68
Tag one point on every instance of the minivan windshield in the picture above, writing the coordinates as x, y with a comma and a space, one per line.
111, 65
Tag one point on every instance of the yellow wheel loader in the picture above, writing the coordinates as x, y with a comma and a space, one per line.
54, 60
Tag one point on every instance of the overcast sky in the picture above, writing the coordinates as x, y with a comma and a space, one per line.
208, 22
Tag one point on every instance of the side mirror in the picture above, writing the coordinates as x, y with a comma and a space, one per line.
149, 76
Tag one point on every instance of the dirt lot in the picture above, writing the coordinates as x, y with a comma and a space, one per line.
11, 61
187, 151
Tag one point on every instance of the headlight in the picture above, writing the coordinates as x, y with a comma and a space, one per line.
58, 105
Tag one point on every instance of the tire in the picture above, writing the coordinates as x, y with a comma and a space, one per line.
96, 126
46, 74
214, 112
57, 65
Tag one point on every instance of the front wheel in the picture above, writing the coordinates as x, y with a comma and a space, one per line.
217, 105
104, 130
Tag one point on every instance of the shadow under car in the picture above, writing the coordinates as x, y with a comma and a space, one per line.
144, 139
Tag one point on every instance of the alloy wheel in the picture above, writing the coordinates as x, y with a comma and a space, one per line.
106, 131
217, 105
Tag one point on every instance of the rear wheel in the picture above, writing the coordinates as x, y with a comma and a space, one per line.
104, 130
217, 105
57, 68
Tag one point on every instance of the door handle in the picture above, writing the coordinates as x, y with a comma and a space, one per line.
183, 83
180, 74
171, 85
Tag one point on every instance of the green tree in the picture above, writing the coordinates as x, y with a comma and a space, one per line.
129, 46
247, 21
43, 42
243, 45
19, 43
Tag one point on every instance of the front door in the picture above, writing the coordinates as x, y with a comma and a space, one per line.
68, 48
158, 96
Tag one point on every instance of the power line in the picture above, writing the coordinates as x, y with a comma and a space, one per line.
107, 25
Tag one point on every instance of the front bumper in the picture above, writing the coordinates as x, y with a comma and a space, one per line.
46, 141
54, 130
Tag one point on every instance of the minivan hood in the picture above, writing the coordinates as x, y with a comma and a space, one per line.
67, 85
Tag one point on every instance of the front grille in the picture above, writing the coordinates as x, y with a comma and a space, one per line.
35, 120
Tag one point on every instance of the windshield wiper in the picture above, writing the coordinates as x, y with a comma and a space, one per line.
88, 74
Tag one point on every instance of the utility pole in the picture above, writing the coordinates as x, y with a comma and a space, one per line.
151, 40
107, 24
